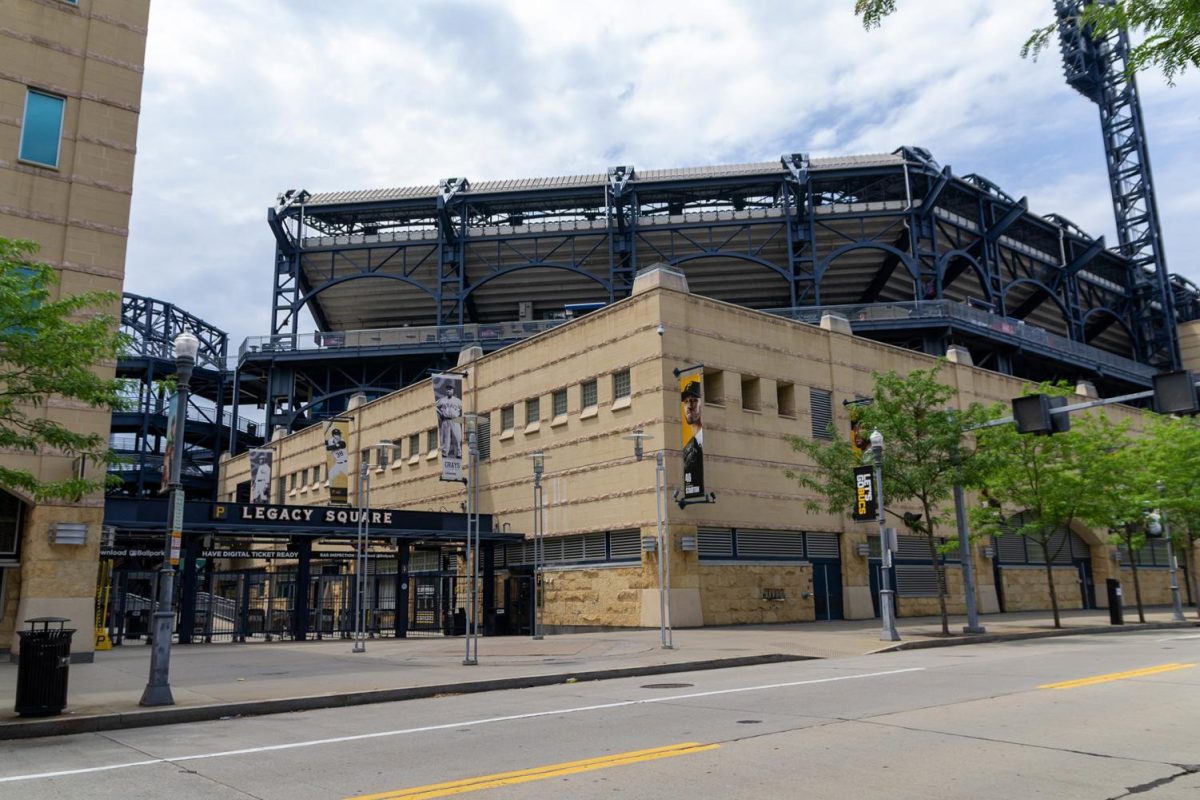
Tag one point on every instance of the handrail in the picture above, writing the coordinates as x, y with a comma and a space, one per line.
483, 332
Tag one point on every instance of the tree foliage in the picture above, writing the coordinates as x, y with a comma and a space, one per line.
1170, 30
1170, 451
925, 453
49, 348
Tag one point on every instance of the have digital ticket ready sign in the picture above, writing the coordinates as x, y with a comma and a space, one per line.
865, 498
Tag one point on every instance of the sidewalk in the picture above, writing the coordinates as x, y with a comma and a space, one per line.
222, 680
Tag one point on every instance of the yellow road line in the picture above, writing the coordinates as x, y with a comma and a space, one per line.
1115, 676
538, 773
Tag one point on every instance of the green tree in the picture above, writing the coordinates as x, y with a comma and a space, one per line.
926, 452
1170, 28
1035, 487
49, 348
1171, 451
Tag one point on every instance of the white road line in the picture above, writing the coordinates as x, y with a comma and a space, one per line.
1177, 638
446, 726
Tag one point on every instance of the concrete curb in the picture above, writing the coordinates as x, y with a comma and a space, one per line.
984, 638
65, 726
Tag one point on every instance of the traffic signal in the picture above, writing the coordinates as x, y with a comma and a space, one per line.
1175, 393
1031, 414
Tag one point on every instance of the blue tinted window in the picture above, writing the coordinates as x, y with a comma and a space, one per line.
42, 130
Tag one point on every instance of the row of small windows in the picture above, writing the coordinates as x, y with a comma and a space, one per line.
588, 398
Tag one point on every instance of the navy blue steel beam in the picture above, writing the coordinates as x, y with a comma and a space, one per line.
1098, 69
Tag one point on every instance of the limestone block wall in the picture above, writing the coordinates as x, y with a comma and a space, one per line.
1155, 583
734, 594
595, 597
1025, 588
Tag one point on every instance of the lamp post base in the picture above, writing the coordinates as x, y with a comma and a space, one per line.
974, 629
157, 696
889, 632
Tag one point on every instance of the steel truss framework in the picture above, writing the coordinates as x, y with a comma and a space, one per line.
139, 432
790, 234
1097, 69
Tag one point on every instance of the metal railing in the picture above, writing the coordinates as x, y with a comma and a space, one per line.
413, 336
984, 321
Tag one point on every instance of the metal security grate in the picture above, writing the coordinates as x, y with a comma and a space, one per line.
624, 545
822, 545
769, 544
916, 580
821, 402
715, 542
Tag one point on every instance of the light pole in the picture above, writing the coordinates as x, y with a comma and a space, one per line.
361, 543
158, 687
1176, 601
664, 559
471, 657
539, 545
886, 607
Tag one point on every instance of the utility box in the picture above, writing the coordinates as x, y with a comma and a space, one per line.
1116, 614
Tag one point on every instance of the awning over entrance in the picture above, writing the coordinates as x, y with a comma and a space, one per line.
129, 514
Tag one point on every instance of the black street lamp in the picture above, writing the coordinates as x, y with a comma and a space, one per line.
158, 687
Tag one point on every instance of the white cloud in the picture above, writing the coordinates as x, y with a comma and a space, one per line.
243, 100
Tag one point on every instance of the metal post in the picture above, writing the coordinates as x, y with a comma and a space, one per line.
664, 555
886, 607
968, 563
472, 632
539, 553
1176, 600
360, 559
158, 687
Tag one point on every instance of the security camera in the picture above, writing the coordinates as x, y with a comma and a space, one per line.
661, 330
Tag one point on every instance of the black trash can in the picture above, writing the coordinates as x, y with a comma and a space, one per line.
1116, 614
42, 667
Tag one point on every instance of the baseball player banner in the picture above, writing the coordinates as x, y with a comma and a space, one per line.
447, 401
260, 476
864, 494
337, 459
169, 452
691, 400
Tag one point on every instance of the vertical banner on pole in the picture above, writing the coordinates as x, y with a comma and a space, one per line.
865, 497
337, 460
169, 453
447, 401
691, 399
260, 476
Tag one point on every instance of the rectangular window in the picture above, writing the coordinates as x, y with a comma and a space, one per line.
431, 440
587, 394
558, 401
621, 384
507, 419
751, 396
364, 457
382, 453
714, 387
292, 481
304, 477
397, 450
414, 445
822, 413
41, 131
317, 475
10, 526
785, 399
532, 410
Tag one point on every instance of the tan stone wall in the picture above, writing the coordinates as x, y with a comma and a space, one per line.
92, 55
592, 482
907, 606
1025, 588
732, 594
597, 597
1155, 583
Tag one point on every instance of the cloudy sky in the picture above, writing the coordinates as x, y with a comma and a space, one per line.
244, 100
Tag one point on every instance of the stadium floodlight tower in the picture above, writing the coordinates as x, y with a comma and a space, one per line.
1097, 68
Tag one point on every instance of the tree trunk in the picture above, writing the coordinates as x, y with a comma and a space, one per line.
939, 570
1137, 584
1189, 556
1045, 544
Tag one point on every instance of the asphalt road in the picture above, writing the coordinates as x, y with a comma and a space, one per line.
982, 721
